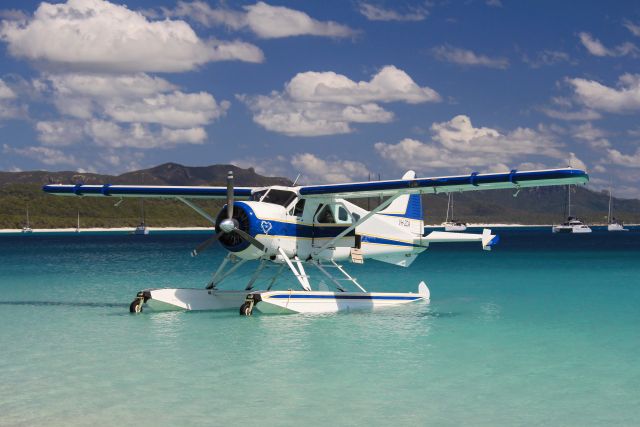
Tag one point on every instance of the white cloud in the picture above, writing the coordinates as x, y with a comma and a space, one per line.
13, 15
575, 162
97, 35
10, 105
138, 135
625, 98
277, 21
494, 3
125, 110
327, 103
280, 114
579, 115
272, 166
207, 16
6, 92
588, 132
46, 155
635, 29
629, 160
458, 144
596, 48
377, 13
262, 19
176, 109
317, 170
390, 84
60, 132
546, 57
467, 57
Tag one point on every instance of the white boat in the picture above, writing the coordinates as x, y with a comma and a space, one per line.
27, 228
141, 229
572, 224
612, 223
452, 224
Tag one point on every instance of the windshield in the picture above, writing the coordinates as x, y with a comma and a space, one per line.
279, 197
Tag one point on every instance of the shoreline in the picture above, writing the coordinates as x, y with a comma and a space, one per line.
160, 230
125, 230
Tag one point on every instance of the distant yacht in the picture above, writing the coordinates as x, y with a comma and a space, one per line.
27, 228
141, 229
572, 224
612, 223
452, 224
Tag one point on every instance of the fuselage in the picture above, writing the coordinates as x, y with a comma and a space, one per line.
303, 227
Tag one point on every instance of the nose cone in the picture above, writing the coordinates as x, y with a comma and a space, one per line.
227, 225
229, 240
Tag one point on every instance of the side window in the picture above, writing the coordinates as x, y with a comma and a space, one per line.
299, 209
325, 216
343, 215
356, 217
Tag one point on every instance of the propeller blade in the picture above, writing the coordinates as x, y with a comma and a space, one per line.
249, 238
204, 245
230, 195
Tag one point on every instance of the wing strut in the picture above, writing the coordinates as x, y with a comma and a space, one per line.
197, 208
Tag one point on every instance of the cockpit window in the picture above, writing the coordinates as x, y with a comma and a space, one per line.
279, 197
299, 209
258, 195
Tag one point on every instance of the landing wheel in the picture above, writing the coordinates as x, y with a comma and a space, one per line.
136, 306
246, 309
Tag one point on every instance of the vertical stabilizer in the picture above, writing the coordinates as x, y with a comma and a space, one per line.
408, 206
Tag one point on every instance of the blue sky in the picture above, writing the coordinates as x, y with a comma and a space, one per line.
334, 90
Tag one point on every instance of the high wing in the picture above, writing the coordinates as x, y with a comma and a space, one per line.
151, 191
447, 184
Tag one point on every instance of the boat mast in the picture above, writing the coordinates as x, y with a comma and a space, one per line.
448, 204
609, 214
28, 226
569, 200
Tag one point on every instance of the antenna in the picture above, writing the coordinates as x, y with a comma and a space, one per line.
296, 180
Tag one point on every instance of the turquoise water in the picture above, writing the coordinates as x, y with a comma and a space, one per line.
544, 329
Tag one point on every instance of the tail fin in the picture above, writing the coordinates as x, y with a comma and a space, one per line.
406, 206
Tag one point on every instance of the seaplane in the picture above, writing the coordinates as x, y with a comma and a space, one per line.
314, 228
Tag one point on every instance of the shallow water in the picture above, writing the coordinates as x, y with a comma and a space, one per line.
544, 329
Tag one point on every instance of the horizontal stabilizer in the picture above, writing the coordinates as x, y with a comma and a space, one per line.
486, 238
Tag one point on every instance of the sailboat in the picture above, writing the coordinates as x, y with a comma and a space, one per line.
572, 224
452, 224
612, 223
141, 229
27, 228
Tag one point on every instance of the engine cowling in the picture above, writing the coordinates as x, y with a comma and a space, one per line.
247, 216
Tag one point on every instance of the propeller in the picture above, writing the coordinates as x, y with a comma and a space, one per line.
228, 225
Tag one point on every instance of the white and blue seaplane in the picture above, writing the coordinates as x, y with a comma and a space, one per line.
314, 228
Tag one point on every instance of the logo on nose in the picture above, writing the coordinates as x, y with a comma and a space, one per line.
266, 227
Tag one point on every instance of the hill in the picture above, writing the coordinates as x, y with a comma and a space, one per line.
19, 190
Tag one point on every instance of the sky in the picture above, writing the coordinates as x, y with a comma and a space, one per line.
333, 90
